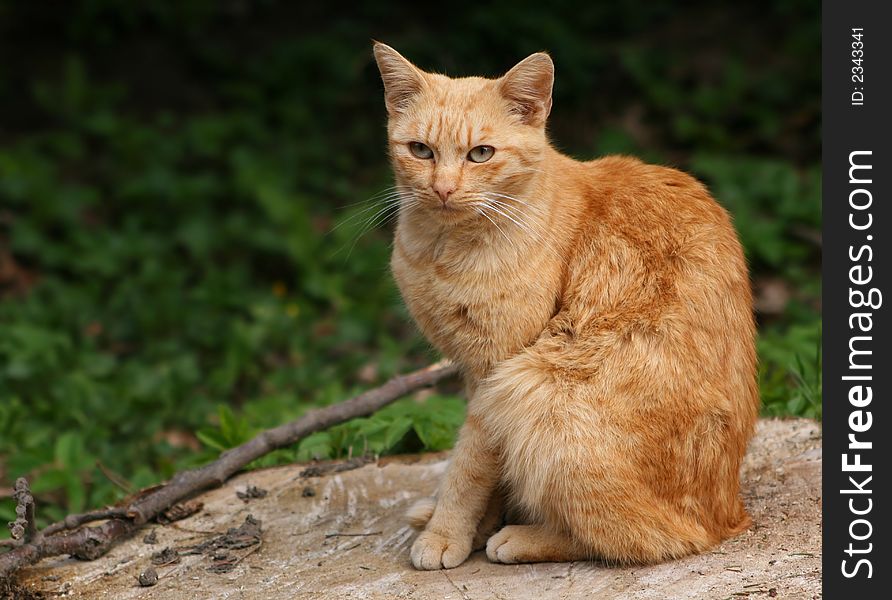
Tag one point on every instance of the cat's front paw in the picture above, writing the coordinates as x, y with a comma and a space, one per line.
432, 551
507, 546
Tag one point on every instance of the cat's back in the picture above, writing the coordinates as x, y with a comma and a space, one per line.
626, 193
660, 212
654, 236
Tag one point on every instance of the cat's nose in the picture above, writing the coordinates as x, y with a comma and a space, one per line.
444, 189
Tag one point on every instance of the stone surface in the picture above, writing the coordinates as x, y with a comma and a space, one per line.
342, 536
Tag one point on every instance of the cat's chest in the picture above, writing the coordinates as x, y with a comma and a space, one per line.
476, 308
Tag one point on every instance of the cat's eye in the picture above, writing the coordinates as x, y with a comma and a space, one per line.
481, 154
421, 151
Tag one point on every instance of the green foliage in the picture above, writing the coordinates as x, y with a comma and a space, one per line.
772, 203
178, 270
404, 426
790, 370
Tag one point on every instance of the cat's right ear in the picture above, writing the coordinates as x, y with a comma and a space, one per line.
402, 80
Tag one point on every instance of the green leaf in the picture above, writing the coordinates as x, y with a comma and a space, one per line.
7, 513
228, 424
212, 438
796, 404
395, 432
49, 480
371, 426
234, 430
315, 446
76, 493
70, 453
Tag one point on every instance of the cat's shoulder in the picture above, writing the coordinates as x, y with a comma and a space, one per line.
629, 185
636, 173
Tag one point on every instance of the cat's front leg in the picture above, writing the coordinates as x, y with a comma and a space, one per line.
464, 494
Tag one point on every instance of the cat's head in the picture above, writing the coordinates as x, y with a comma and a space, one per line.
454, 141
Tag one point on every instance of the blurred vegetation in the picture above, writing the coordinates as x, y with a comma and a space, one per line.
175, 264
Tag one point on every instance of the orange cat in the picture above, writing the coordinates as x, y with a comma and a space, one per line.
600, 313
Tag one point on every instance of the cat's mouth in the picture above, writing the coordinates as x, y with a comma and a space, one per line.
453, 208
457, 209
453, 212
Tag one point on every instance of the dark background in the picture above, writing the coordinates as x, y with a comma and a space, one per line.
180, 251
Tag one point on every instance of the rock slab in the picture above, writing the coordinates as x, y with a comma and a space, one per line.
342, 536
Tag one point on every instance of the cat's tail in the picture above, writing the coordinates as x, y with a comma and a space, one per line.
421, 512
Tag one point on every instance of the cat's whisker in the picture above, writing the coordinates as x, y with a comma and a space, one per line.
369, 204
382, 202
392, 206
508, 216
496, 225
537, 235
363, 213
384, 198
498, 214
506, 196
376, 195
393, 210
512, 213
528, 218
362, 208
513, 210
386, 215
517, 212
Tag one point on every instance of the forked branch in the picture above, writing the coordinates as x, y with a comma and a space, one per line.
91, 542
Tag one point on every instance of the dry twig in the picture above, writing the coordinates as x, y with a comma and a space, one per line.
339, 534
92, 542
23, 527
75, 521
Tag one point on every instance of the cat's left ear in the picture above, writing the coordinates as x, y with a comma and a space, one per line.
402, 80
528, 86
